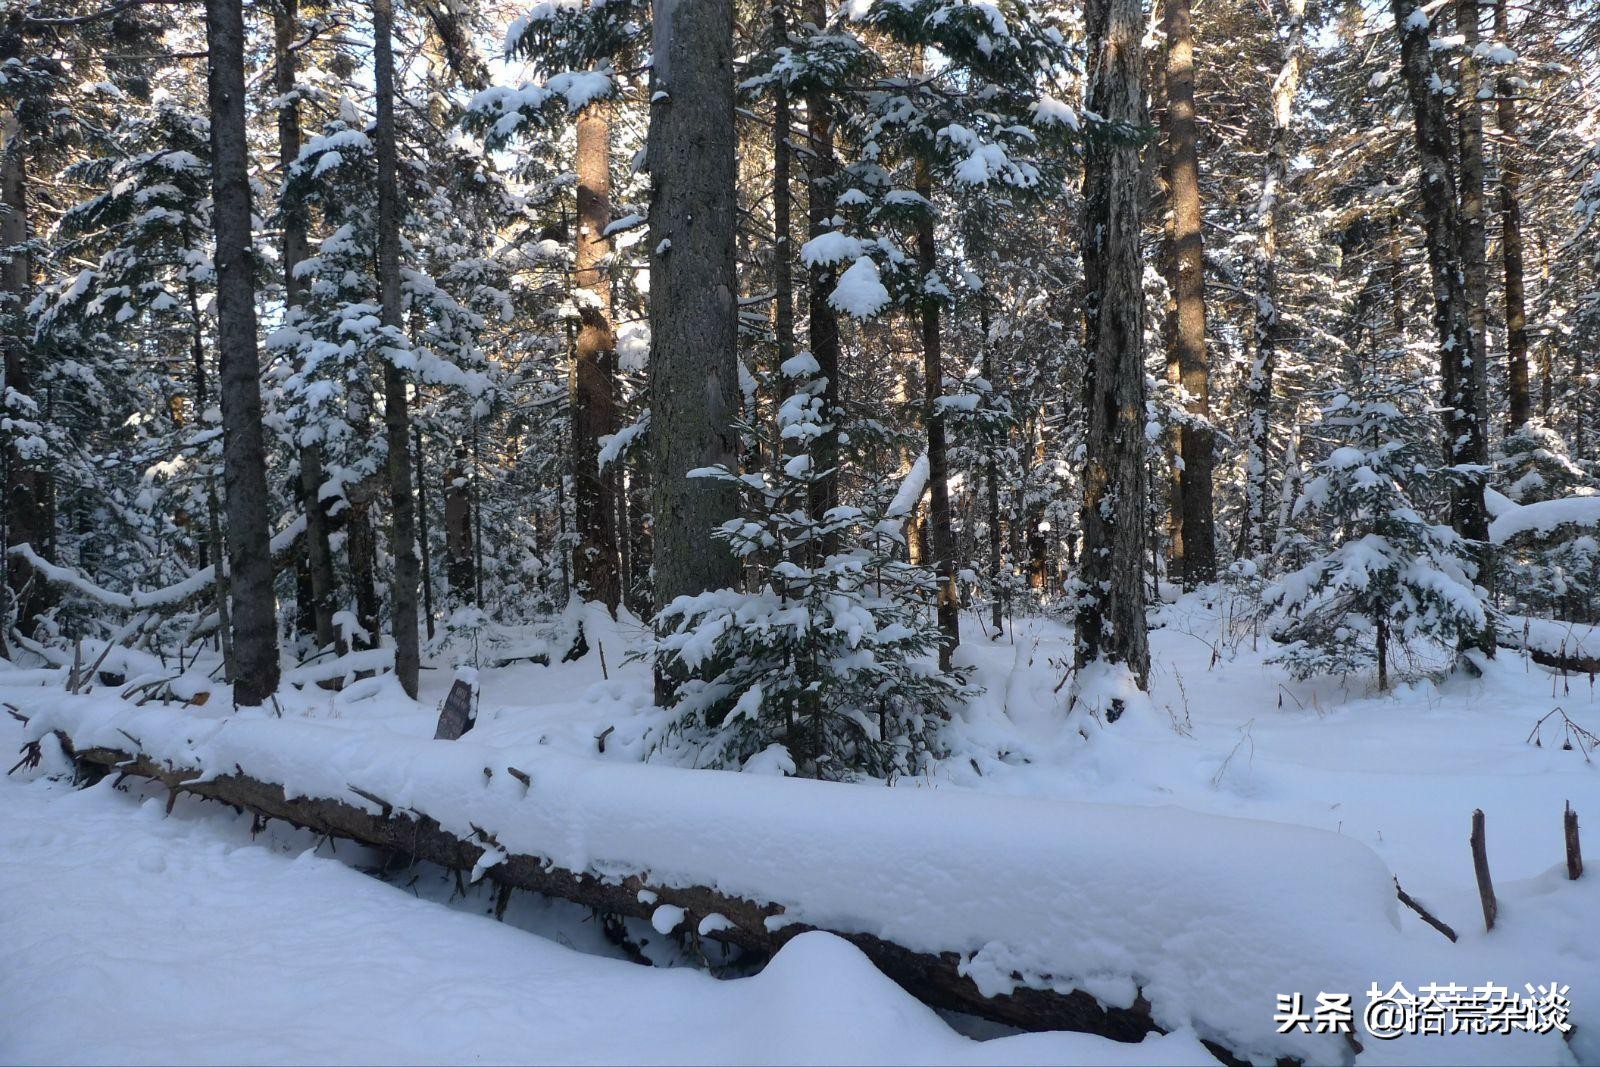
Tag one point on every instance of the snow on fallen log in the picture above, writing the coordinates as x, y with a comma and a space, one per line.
167, 598
1566, 515
372, 660
1570, 646
1040, 913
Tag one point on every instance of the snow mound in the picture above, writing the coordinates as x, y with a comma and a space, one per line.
1027, 891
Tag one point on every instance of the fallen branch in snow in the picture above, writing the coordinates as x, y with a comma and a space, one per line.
1427, 916
753, 926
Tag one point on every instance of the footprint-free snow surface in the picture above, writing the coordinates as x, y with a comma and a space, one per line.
1234, 840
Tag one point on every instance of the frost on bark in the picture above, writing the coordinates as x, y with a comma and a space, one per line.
1110, 610
1264, 368
396, 412
1186, 327
244, 465
694, 397
1466, 445
596, 570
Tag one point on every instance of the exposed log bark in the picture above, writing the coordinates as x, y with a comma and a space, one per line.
934, 978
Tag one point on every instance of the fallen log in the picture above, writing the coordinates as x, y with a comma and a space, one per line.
751, 925
1111, 919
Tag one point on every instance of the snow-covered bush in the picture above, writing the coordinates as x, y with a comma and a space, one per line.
1388, 577
825, 668
1554, 570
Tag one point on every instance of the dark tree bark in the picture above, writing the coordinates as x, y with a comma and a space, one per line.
1465, 426
1511, 247
1259, 389
27, 489
1187, 326
458, 568
823, 329
422, 528
1110, 615
694, 395
596, 569
244, 460
1474, 241
396, 408
213, 547
991, 477
782, 259
941, 536
319, 554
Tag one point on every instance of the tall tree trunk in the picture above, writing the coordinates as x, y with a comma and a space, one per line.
782, 258
694, 389
1466, 445
319, 554
26, 482
1258, 464
396, 408
595, 565
1474, 242
213, 547
1111, 625
1511, 249
422, 529
941, 535
244, 457
823, 329
458, 565
1188, 335
991, 477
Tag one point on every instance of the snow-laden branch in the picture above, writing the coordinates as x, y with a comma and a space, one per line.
166, 598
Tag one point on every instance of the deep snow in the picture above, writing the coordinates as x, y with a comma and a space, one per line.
1396, 775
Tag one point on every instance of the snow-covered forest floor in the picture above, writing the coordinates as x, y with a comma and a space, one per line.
132, 935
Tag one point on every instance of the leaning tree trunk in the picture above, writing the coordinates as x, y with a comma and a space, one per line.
823, 330
1110, 615
694, 389
1258, 464
941, 534
1187, 325
26, 482
1465, 427
244, 457
396, 409
319, 553
1511, 248
596, 570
